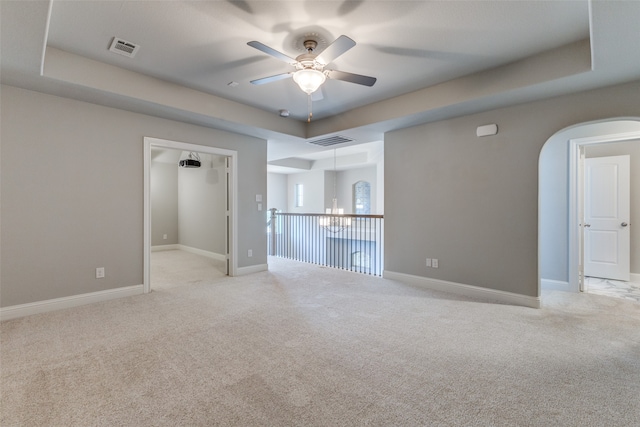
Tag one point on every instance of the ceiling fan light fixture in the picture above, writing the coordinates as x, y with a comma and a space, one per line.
309, 79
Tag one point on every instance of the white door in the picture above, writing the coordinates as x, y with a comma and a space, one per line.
607, 235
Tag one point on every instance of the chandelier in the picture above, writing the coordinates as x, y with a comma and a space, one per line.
335, 221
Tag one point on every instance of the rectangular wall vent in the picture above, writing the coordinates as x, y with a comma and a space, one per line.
332, 140
124, 47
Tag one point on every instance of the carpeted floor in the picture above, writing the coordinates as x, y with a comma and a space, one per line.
302, 345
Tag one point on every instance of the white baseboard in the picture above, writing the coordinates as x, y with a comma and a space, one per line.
208, 254
635, 277
465, 290
242, 271
179, 247
159, 248
22, 310
554, 285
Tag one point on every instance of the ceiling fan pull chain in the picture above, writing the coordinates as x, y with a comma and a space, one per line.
310, 108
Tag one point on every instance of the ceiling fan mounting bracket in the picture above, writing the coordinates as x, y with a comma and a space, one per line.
310, 45
299, 43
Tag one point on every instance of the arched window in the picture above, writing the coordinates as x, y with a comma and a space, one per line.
360, 261
362, 198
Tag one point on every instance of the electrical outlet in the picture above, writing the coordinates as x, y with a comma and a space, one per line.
100, 273
164, 236
428, 262
434, 263
250, 253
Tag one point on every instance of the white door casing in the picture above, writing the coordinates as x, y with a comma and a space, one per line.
607, 235
232, 197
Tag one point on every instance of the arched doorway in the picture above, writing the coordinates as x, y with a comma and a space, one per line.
559, 233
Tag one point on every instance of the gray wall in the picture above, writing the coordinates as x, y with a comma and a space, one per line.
277, 192
473, 202
164, 203
554, 194
319, 186
72, 194
314, 188
346, 180
633, 150
201, 205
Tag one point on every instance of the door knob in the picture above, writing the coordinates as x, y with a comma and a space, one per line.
587, 225
624, 224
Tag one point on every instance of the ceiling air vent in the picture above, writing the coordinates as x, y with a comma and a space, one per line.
332, 140
124, 47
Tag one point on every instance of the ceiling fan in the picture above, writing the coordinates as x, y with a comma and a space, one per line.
310, 71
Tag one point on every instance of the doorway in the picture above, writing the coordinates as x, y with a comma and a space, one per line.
606, 215
192, 224
560, 199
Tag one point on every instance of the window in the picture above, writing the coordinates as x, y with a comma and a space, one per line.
362, 198
299, 198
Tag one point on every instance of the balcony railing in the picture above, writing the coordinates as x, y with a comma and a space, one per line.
350, 242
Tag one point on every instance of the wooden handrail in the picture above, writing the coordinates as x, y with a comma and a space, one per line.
329, 214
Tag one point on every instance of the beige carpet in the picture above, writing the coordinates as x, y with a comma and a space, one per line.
303, 345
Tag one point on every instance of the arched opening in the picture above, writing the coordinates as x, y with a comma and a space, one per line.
362, 198
560, 196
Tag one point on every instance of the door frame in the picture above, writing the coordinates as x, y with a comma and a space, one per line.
232, 196
576, 197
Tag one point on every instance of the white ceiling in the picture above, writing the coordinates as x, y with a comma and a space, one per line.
430, 58
203, 45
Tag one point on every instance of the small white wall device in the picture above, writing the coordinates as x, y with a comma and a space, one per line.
487, 130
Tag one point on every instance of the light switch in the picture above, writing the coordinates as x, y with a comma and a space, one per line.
258, 197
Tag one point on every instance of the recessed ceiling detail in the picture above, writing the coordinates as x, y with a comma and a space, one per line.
124, 47
426, 43
332, 140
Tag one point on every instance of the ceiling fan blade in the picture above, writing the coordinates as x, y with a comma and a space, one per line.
269, 51
352, 78
271, 78
335, 49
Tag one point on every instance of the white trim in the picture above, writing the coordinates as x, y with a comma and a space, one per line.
208, 254
45, 42
574, 195
635, 277
591, 37
160, 248
22, 310
465, 290
146, 232
179, 247
554, 285
243, 271
150, 142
